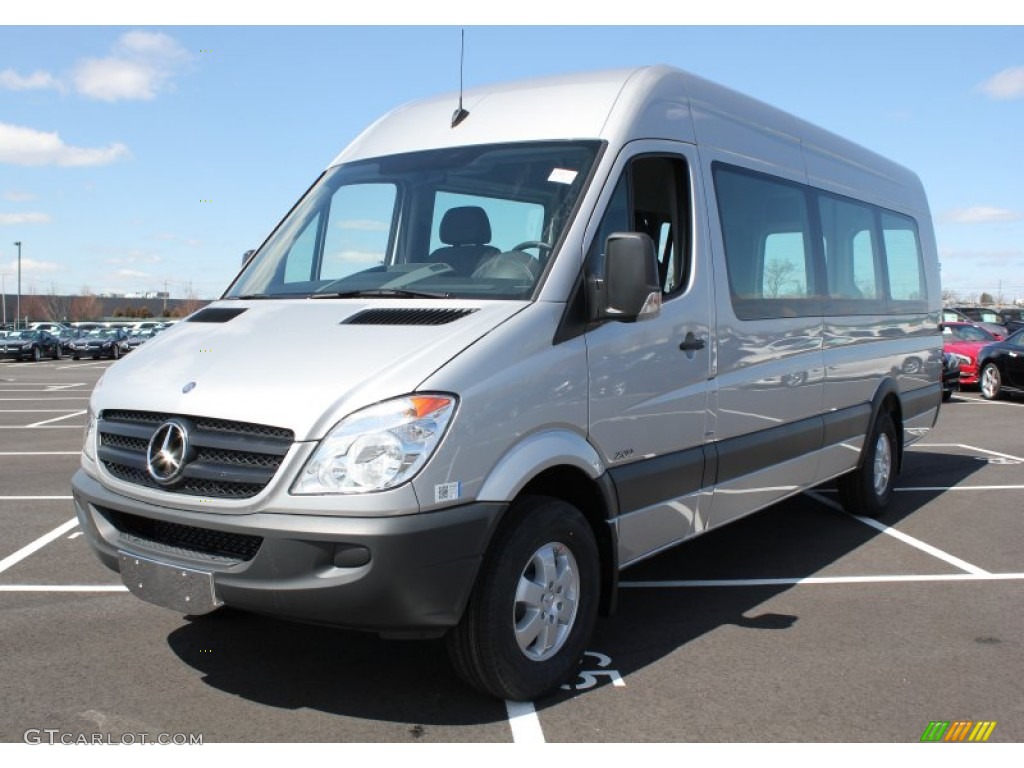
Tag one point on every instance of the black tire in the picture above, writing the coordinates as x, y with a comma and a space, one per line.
866, 490
947, 395
507, 603
991, 382
37, 354
115, 353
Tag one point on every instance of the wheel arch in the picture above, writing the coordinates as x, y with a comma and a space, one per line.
561, 464
887, 400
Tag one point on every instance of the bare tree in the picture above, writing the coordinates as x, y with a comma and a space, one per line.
776, 274
191, 301
54, 306
85, 306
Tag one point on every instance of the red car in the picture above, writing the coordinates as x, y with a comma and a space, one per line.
964, 340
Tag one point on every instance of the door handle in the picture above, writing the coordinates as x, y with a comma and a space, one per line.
692, 344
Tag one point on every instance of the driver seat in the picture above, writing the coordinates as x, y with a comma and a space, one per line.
466, 232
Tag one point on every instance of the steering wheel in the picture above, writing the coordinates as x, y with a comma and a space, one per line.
540, 245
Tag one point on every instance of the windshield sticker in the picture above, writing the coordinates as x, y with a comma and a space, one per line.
562, 176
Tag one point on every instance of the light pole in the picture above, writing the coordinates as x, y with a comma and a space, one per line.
17, 317
3, 297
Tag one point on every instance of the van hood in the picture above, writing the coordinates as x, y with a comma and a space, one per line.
301, 364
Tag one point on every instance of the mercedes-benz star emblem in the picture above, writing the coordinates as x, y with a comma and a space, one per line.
167, 452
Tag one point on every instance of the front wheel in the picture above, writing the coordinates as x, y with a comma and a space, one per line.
866, 490
991, 382
534, 606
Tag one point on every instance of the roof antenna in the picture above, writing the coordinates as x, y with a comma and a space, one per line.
460, 114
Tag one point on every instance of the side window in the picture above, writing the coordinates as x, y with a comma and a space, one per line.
298, 265
769, 257
851, 249
358, 230
355, 237
903, 258
652, 197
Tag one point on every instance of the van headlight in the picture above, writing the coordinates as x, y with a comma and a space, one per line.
378, 447
89, 438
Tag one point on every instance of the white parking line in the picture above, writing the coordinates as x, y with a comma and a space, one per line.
35, 410
62, 588
806, 580
39, 453
45, 399
39, 543
50, 421
905, 538
883, 528
970, 448
522, 718
35, 498
961, 488
47, 426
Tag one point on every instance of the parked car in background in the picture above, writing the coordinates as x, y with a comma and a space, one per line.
140, 337
950, 375
964, 341
30, 345
1002, 367
66, 339
983, 317
101, 342
1013, 318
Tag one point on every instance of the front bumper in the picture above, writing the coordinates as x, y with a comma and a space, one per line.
393, 575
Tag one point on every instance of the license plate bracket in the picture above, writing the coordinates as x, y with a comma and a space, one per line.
181, 589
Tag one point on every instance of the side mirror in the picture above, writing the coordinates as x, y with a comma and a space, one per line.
629, 288
247, 257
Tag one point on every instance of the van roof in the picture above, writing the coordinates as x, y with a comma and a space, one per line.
655, 102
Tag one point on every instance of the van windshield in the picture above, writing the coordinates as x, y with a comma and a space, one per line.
466, 222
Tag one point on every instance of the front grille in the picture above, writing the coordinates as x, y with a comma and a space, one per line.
188, 539
226, 459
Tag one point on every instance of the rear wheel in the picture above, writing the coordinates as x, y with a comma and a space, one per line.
991, 382
534, 606
37, 354
866, 490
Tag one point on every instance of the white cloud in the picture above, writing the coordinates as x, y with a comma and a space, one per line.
1008, 84
357, 257
24, 218
18, 197
27, 146
129, 273
135, 256
368, 225
981, 214
38, 80
141, 65
31, 266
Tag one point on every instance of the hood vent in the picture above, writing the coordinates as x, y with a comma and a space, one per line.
407, 316
216, 314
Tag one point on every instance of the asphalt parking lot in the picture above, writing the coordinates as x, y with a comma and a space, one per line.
798, 624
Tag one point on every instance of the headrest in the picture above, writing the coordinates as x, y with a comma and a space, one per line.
467, 225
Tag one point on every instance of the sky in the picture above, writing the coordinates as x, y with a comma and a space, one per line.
149, 156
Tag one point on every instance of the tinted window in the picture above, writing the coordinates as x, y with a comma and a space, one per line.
766, 228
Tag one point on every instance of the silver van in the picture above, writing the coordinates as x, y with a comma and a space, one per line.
489, 360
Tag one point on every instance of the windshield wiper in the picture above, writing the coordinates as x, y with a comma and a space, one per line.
383, 293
